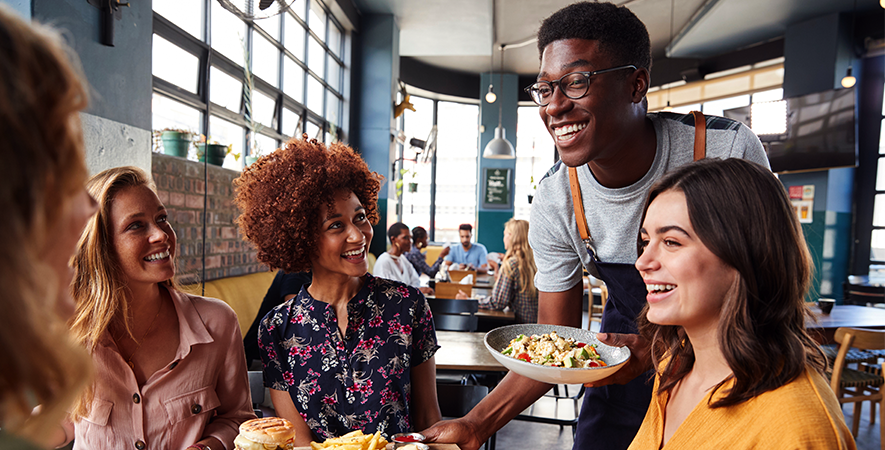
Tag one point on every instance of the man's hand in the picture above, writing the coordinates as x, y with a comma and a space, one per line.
461, 295
445, 252
426, 290
457, 431
640, 358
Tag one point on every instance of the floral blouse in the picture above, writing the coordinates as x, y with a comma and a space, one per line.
361, 380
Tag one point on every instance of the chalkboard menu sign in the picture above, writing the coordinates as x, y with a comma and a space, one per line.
496, 188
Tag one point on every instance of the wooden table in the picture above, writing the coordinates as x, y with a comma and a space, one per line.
849, 316
465, 352
494, 314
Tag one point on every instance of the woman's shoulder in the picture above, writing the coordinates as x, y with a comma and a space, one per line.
391, 288
209, 305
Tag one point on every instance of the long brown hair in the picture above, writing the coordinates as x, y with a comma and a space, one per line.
741, 212
523, 255
41, 144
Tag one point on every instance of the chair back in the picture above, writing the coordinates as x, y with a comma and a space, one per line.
847, 338
856, 294
457, 275
453, 306
456, 322
450, 290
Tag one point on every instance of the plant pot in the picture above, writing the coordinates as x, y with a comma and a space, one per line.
176, 143
413, 187
216, 153
251, 160
531, 197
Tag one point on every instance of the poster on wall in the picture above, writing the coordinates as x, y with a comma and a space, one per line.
496, 188
802, 198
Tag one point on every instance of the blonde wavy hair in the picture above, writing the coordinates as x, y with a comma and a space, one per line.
41, 143
525, 258
98, 286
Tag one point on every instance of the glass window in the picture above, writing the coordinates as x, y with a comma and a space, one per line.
225, 133
315, 94
877, 245
291, 123
417, 124
685, 109
225, 90
300, 8
294, 40
228, 33
456, 168
317, 19
265, 60
716, 107
293, 80
334, 76
263, 108
333, 104
316, 57
535, 154
187, 15
270, 24
168, 113
768, 96
174, 64
334, 42
769, 117
264, 145
882, 138
313, 130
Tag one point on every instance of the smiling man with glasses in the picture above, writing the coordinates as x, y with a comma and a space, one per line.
591, 88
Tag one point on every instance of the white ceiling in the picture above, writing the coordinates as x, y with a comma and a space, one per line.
458, 34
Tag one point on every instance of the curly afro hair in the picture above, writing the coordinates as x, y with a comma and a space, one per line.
618, 30
281, 195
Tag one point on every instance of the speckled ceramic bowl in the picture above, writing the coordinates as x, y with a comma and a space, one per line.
499, 338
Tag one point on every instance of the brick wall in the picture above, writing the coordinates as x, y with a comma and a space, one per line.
180, 186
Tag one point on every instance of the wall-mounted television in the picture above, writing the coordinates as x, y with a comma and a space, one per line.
819, 135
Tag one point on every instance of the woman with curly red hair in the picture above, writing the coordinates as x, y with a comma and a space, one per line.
350, 351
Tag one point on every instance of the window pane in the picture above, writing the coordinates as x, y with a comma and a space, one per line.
535, 153
456, 168
317, 19
174, 64
225, 133
225, 90
291, 123
882, 138
316, 56
716, 107
265, 60
334, 76
685, 109
300, 8
877, 246
880, 178
270, 24
769, 117
264, 145
416, 205
332, 105
168, 113
769, 96
334, 43
228, 33
293, 80
262, 108
294, 40
315, 93
313, 130
187, 15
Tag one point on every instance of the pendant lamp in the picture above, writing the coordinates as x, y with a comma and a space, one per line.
499, 147
672, 6
848, 80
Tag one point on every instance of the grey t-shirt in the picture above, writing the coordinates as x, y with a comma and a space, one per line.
613, 215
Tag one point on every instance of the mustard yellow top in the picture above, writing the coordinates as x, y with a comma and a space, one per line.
803, 414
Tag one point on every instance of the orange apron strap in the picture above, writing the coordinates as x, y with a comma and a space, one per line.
700, 135
578, 204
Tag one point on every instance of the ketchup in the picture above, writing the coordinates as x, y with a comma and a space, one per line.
406, 438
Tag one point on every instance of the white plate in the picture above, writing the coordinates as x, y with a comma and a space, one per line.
499, 338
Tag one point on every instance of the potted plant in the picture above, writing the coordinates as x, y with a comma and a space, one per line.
534, 188
212, 151
176, 141
413, 186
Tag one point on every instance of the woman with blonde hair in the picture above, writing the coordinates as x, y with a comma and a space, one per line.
514, 282
45, 206
170, 367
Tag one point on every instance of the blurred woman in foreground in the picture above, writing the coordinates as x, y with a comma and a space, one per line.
350, 351
727, 268
45, 206
170, 367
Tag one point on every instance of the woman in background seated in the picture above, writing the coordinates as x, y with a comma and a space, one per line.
392, 265
727, 270
351, 351
45, 207
418, 259
514, 282
170, 366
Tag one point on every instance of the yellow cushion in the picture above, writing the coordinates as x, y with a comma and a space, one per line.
371, 258
431, 253
243, 293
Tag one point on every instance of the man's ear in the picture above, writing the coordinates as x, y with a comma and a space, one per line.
638, 82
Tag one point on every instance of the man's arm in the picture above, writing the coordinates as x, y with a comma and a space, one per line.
515, 393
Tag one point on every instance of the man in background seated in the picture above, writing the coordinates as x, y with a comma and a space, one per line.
284, 287
418, 259
468, 256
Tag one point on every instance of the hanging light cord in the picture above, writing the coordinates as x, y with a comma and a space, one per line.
672, 8
501, 87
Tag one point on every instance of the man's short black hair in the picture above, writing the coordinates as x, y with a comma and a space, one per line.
620, 33
465, 226
396, 229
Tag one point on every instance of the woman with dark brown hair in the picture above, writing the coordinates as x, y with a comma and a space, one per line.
727, 269
350, 351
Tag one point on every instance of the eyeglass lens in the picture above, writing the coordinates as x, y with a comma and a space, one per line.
573, 85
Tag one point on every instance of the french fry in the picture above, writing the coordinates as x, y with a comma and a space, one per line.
373, 443
355, 440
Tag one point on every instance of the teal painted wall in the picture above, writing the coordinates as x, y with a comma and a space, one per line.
492, 232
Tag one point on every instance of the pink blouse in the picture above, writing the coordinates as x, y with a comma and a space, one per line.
203, 392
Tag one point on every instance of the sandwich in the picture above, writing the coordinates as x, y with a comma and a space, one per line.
266, 433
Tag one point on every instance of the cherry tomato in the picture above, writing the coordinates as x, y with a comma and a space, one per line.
593, 364
524, 356
580, 344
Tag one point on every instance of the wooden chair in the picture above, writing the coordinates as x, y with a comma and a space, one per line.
457, 275
450, 290
856, 386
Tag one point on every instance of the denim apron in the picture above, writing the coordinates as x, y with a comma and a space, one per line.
611, 415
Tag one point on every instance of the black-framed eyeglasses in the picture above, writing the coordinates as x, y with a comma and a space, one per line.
573, 85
